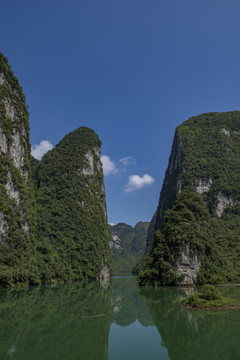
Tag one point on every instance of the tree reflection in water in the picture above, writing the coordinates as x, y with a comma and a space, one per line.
194, 334
55, 322
60, 322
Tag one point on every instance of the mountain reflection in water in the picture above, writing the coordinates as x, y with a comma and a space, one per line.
194, 334
55, 322
93, 322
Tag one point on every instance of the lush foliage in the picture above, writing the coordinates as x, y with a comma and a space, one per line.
209, 298
55, 228
186, 224
18, 262
72, 229
128, 250
205, 157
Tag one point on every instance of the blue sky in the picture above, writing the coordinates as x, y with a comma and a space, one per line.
132, 70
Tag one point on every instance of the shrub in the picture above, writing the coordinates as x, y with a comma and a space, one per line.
209, 292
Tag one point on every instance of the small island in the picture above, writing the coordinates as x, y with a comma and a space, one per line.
210, 299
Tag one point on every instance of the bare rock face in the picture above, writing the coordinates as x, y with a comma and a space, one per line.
224, 202
11, 191
3, 227
16, 190
115, 242
204, 186
188, 265
171, 189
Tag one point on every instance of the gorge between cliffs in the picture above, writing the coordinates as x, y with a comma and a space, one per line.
54, 232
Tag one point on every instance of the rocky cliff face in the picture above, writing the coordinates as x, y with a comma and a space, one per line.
17, 217
205, 159
55, 227
72, 219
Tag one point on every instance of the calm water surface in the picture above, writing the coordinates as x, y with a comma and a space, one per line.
93, 322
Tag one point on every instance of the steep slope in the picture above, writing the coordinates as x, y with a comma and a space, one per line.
203, 245
17, 203
127, 246
72, 225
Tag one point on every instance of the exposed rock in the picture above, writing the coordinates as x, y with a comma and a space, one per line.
17, 151
179, 187
17, 195
2, 79
171, 188
9, 109
225, 131
223, 202
3, 142
204, 186
188, 266
127, 245
3, 225
72, 208
115, 242
105, 272
68, 240
89, 169
204, 159
175, 161
26, 228
11, 191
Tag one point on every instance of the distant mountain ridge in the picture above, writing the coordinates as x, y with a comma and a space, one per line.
127, 246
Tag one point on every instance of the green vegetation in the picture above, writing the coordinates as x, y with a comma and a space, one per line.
53, 224
186, 224
211, 299
18, 262
188, 334
127, 247
205, 161
72, 228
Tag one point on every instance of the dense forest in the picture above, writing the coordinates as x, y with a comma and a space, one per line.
128, 245
53, 219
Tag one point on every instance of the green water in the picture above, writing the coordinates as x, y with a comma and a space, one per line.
60, 323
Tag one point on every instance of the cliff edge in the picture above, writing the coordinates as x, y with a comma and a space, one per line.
196, 233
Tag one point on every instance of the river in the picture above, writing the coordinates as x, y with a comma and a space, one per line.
89, 321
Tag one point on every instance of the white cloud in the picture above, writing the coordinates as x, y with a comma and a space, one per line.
108, 166
112, 224
136, 182
129, 160
39, 150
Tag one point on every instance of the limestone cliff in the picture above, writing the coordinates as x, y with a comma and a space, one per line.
204, 160
17, 204
53, 225
72, 226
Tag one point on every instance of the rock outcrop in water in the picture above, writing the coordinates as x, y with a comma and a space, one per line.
56, 230
195, 234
